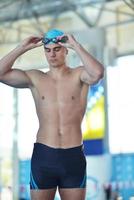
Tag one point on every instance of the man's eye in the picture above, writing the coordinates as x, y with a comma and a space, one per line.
57, 49
47, 50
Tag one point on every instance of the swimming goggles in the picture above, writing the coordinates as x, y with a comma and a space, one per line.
55, 40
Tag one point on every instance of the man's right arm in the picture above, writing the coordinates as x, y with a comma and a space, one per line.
15, 77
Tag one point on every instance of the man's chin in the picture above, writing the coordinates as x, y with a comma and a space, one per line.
55, 65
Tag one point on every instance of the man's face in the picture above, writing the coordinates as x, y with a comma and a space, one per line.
55, 54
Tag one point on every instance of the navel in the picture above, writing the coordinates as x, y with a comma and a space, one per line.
43, 97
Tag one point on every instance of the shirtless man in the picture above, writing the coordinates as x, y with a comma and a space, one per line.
60, 97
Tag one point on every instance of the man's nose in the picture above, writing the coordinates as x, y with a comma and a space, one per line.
52, 54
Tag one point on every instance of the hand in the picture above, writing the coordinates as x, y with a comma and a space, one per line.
31, 42
70, 43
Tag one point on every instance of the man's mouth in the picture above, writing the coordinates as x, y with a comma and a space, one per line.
53, 60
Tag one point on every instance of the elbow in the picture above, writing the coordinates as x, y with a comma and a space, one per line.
100, 74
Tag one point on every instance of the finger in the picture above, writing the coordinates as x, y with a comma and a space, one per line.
36, 46
39, 44
36, 40
66, 45
61, 44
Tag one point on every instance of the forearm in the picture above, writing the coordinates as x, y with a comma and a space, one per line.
92, 66
29, 43
7, 61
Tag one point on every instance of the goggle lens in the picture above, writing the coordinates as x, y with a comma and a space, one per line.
55, 40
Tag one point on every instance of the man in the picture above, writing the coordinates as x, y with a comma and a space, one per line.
60, 97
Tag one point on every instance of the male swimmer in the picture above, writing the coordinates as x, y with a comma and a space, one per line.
60, 97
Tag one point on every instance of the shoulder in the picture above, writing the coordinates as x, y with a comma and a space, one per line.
83, 76
77, 71
35, 75
33, 72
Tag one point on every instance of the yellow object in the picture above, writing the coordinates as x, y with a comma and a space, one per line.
94, 121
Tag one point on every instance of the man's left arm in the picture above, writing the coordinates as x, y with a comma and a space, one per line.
92, 70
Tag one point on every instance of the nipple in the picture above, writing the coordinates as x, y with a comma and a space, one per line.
73, 97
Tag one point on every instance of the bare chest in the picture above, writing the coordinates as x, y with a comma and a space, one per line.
65, 90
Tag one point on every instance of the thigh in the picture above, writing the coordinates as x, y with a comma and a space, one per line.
75, 171
72, 194
43, 169
43, 194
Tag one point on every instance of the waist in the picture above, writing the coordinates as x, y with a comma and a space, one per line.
55, 149
68, 137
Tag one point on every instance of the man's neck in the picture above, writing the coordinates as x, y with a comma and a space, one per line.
58, 72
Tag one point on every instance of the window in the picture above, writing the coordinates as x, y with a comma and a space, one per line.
120, 82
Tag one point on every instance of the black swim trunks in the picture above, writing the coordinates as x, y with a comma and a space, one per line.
55, 167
